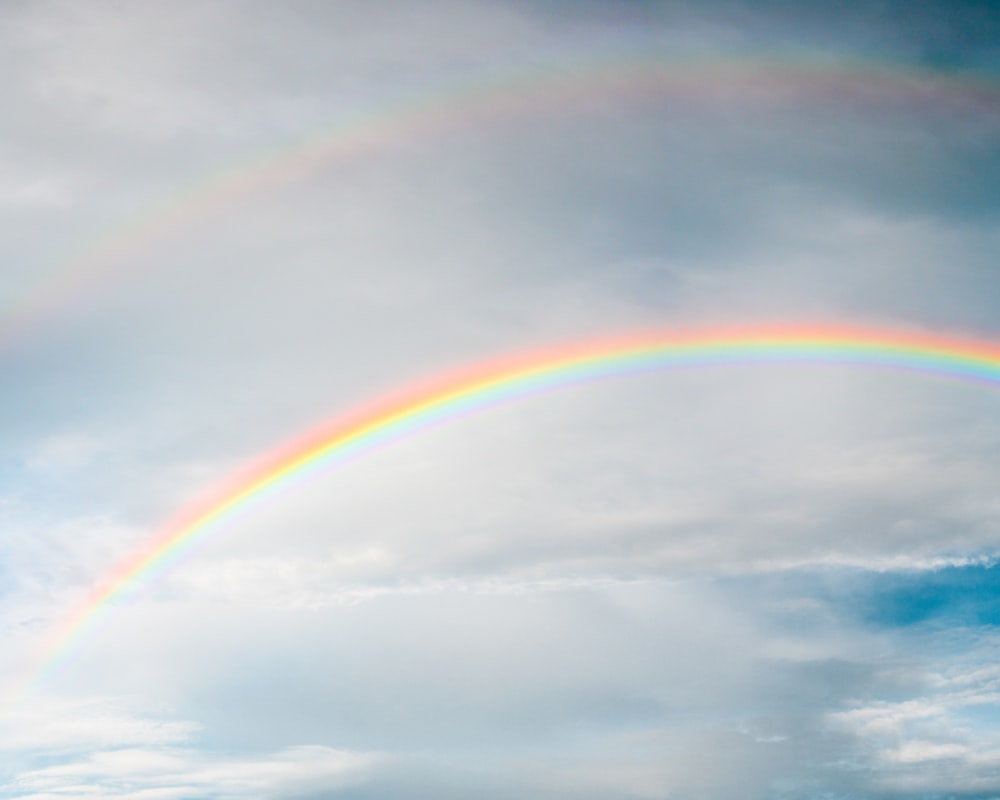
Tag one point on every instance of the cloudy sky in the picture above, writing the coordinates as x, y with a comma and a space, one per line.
227, 221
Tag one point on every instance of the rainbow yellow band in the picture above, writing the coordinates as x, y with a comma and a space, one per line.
487, 384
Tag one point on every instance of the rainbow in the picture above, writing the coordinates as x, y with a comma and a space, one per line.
485, 385
550, 87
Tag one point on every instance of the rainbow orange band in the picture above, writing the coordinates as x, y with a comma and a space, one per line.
485, 385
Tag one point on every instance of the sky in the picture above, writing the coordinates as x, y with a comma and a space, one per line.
226, 222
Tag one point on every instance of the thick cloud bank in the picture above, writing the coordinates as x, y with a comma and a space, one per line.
226, 222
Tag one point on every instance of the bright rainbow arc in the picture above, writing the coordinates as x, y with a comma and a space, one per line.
488, 384
628, 75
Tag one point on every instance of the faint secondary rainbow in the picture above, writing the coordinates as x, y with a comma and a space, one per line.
575, 82
488, 384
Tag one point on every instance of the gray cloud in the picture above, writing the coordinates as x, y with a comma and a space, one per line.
613, 590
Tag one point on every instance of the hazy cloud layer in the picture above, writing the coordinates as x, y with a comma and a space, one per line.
763, 580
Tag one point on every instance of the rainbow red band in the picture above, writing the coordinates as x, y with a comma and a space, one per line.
485, 385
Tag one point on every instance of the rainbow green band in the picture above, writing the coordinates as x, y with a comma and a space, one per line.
488, 384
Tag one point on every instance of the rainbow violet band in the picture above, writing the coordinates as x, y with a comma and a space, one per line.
487, 384
556, 85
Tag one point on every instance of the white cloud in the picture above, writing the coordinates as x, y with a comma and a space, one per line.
47, 723
554, 598
140, 773
943, 738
